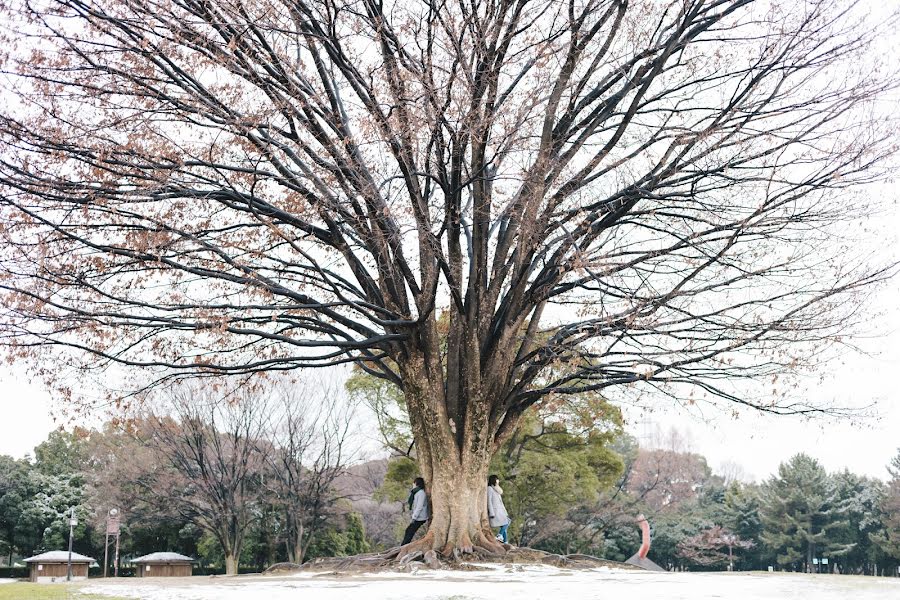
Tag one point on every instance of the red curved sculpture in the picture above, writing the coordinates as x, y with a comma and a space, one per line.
645, 536
640, 559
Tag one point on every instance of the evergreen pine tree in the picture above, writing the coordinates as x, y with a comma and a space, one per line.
888, 539
802, 514
741, 516
862, 496
355, 535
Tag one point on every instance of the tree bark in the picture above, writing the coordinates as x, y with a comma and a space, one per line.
296, 551
231, 564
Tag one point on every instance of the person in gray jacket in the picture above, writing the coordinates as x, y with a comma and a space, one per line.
497, 515
418, 505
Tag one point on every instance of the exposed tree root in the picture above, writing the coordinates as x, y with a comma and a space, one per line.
420, 546
282, 567
488, 543
419, 554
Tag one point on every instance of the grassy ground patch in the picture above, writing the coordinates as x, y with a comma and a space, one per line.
47, 591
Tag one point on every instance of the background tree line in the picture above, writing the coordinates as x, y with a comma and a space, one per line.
249, 478
236, 477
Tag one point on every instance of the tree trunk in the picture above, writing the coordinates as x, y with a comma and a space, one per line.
297, 552
455, 442
456, 483
231, 564
459, 520
809, 557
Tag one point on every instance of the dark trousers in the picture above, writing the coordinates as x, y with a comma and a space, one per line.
411, 531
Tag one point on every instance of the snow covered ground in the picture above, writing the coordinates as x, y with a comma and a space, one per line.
514, 583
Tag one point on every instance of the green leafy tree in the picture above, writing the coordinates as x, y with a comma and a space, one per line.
802, 514
36, 498
211, 553
687, 518
261, 544
57, 495
691, 535
607, 527
329, 542
670, 528
332, 541
401, 471
63, 452
386, 402
558, 459
14, 495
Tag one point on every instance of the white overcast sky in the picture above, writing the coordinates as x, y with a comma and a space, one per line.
755, 442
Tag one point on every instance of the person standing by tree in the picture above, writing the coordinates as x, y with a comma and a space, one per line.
497, 514
418, 504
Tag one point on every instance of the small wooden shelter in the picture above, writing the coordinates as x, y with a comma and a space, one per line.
51, 567
163, 564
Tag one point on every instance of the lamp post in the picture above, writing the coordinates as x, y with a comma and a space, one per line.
729, 539
112, 529
72, 523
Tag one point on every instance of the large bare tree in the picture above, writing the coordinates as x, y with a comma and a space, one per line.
309, 429
211, 465
483, 202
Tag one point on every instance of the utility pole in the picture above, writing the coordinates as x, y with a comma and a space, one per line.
72, 523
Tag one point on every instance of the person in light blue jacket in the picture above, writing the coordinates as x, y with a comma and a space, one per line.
418, 505
497, 515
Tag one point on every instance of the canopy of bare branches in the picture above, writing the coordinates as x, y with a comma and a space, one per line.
245, 186
484, 203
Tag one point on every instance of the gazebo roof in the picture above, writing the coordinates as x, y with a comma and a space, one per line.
163, 557
59, 556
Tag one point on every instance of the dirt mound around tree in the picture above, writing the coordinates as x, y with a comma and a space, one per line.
387, 561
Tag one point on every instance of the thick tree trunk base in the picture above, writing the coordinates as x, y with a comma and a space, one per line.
231, 565
418, 554
462, 549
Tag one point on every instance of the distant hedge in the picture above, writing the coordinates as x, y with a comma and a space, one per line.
13, 572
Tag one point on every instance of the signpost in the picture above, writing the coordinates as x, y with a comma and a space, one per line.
820, 562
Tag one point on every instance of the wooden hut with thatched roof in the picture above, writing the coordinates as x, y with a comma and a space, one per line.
51, 567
